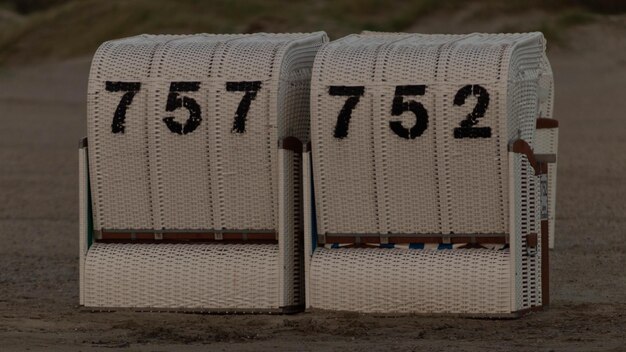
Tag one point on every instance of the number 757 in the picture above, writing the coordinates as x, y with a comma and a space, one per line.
175, 101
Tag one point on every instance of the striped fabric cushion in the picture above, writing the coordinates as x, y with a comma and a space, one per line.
420, 245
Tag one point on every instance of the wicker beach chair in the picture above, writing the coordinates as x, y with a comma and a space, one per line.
191, 176
422, 190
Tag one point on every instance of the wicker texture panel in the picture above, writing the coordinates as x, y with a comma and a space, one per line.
530, 216
373, 181
179, 164
119, 159
526, 67
552, 173
546, 86
410, 65
347, 168
472, 182
526, 260
411, 281
213, 177
291, 241
547, 141
246, 164
202, 276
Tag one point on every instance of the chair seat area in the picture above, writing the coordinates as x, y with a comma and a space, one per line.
401, 280
202, 276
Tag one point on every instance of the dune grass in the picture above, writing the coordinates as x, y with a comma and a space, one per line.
76, 27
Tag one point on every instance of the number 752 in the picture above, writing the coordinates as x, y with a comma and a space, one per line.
400, 106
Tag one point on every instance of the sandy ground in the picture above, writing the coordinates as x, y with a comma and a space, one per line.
42, 116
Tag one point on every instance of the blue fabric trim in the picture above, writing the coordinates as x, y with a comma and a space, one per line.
387, 245
444, 246
416, 246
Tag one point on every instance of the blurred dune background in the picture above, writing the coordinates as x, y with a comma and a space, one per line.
45, 53
36, 30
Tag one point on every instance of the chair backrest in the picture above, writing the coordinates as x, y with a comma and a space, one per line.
410, 132
183, 130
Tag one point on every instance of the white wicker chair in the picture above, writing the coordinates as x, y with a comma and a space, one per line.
190, 184
424, 143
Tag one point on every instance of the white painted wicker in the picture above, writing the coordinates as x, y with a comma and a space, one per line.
381, 168
547, 140
184, 137
84, 214
405, 280
201, 276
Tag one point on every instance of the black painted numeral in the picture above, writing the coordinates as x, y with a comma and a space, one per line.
119, 118
354, 94
400, 106
467, 129
175, 101
250, 88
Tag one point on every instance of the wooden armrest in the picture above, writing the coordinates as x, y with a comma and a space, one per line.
546, 158
520, 146
291, 143
543, 122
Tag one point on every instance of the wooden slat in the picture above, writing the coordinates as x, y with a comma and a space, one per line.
542, 123
173, 237
401, 239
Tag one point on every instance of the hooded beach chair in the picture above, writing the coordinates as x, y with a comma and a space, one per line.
422, 189
190, 176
